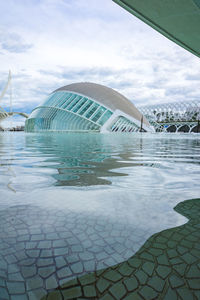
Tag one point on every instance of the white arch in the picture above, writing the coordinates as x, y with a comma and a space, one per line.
6, 86
3, 113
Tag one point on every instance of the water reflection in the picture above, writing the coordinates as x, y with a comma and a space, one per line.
81, 159
92, 159
86, 201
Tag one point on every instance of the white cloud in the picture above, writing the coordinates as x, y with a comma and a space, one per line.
12, 42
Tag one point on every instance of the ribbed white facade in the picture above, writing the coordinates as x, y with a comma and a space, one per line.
68, 109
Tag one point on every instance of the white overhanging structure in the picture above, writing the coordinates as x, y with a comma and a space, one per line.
178, 20
86, 107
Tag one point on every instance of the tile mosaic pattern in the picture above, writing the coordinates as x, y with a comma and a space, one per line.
41, 249
166, 267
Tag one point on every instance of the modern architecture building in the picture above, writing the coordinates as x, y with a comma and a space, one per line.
179, 21
179, 116
86, 107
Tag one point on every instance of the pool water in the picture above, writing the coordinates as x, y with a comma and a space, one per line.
73, 203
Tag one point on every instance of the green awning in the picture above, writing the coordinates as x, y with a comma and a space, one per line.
178, 20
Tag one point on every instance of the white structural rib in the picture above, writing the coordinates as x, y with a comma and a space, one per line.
6, 86
3, 113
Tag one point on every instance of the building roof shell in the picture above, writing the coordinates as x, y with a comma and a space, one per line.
106, 96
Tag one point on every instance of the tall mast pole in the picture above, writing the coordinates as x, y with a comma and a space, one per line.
11, 108
141, 129
10, 91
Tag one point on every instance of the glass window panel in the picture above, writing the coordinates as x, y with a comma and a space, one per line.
85, 107
76, 100
92, 109
69, 102
105, 117
48, 100
80, 104
54, 99
58, 99
34, 113
75, 103
98, 113
64, 97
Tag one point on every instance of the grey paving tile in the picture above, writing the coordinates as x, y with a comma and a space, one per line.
60, 251
33, 253
3, 292
41, 262
45, 272
51, 282
64, 272
77, 268
28, 271
60, 262
15, 287
37, 294
44, 244
34, 283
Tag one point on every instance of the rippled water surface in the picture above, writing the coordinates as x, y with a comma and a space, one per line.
74, 203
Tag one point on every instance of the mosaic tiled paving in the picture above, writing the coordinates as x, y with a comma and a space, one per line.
166, 267
40, 249
53, 255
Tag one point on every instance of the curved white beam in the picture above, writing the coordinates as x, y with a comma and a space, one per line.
6, 86
4, 115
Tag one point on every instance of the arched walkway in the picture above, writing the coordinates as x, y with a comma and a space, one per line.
171, 128
196, 129
184, 128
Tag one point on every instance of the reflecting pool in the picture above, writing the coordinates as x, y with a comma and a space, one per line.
71, 204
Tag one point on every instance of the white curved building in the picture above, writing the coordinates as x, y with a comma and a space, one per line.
86, 107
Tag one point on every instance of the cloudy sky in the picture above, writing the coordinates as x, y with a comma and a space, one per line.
50, 43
